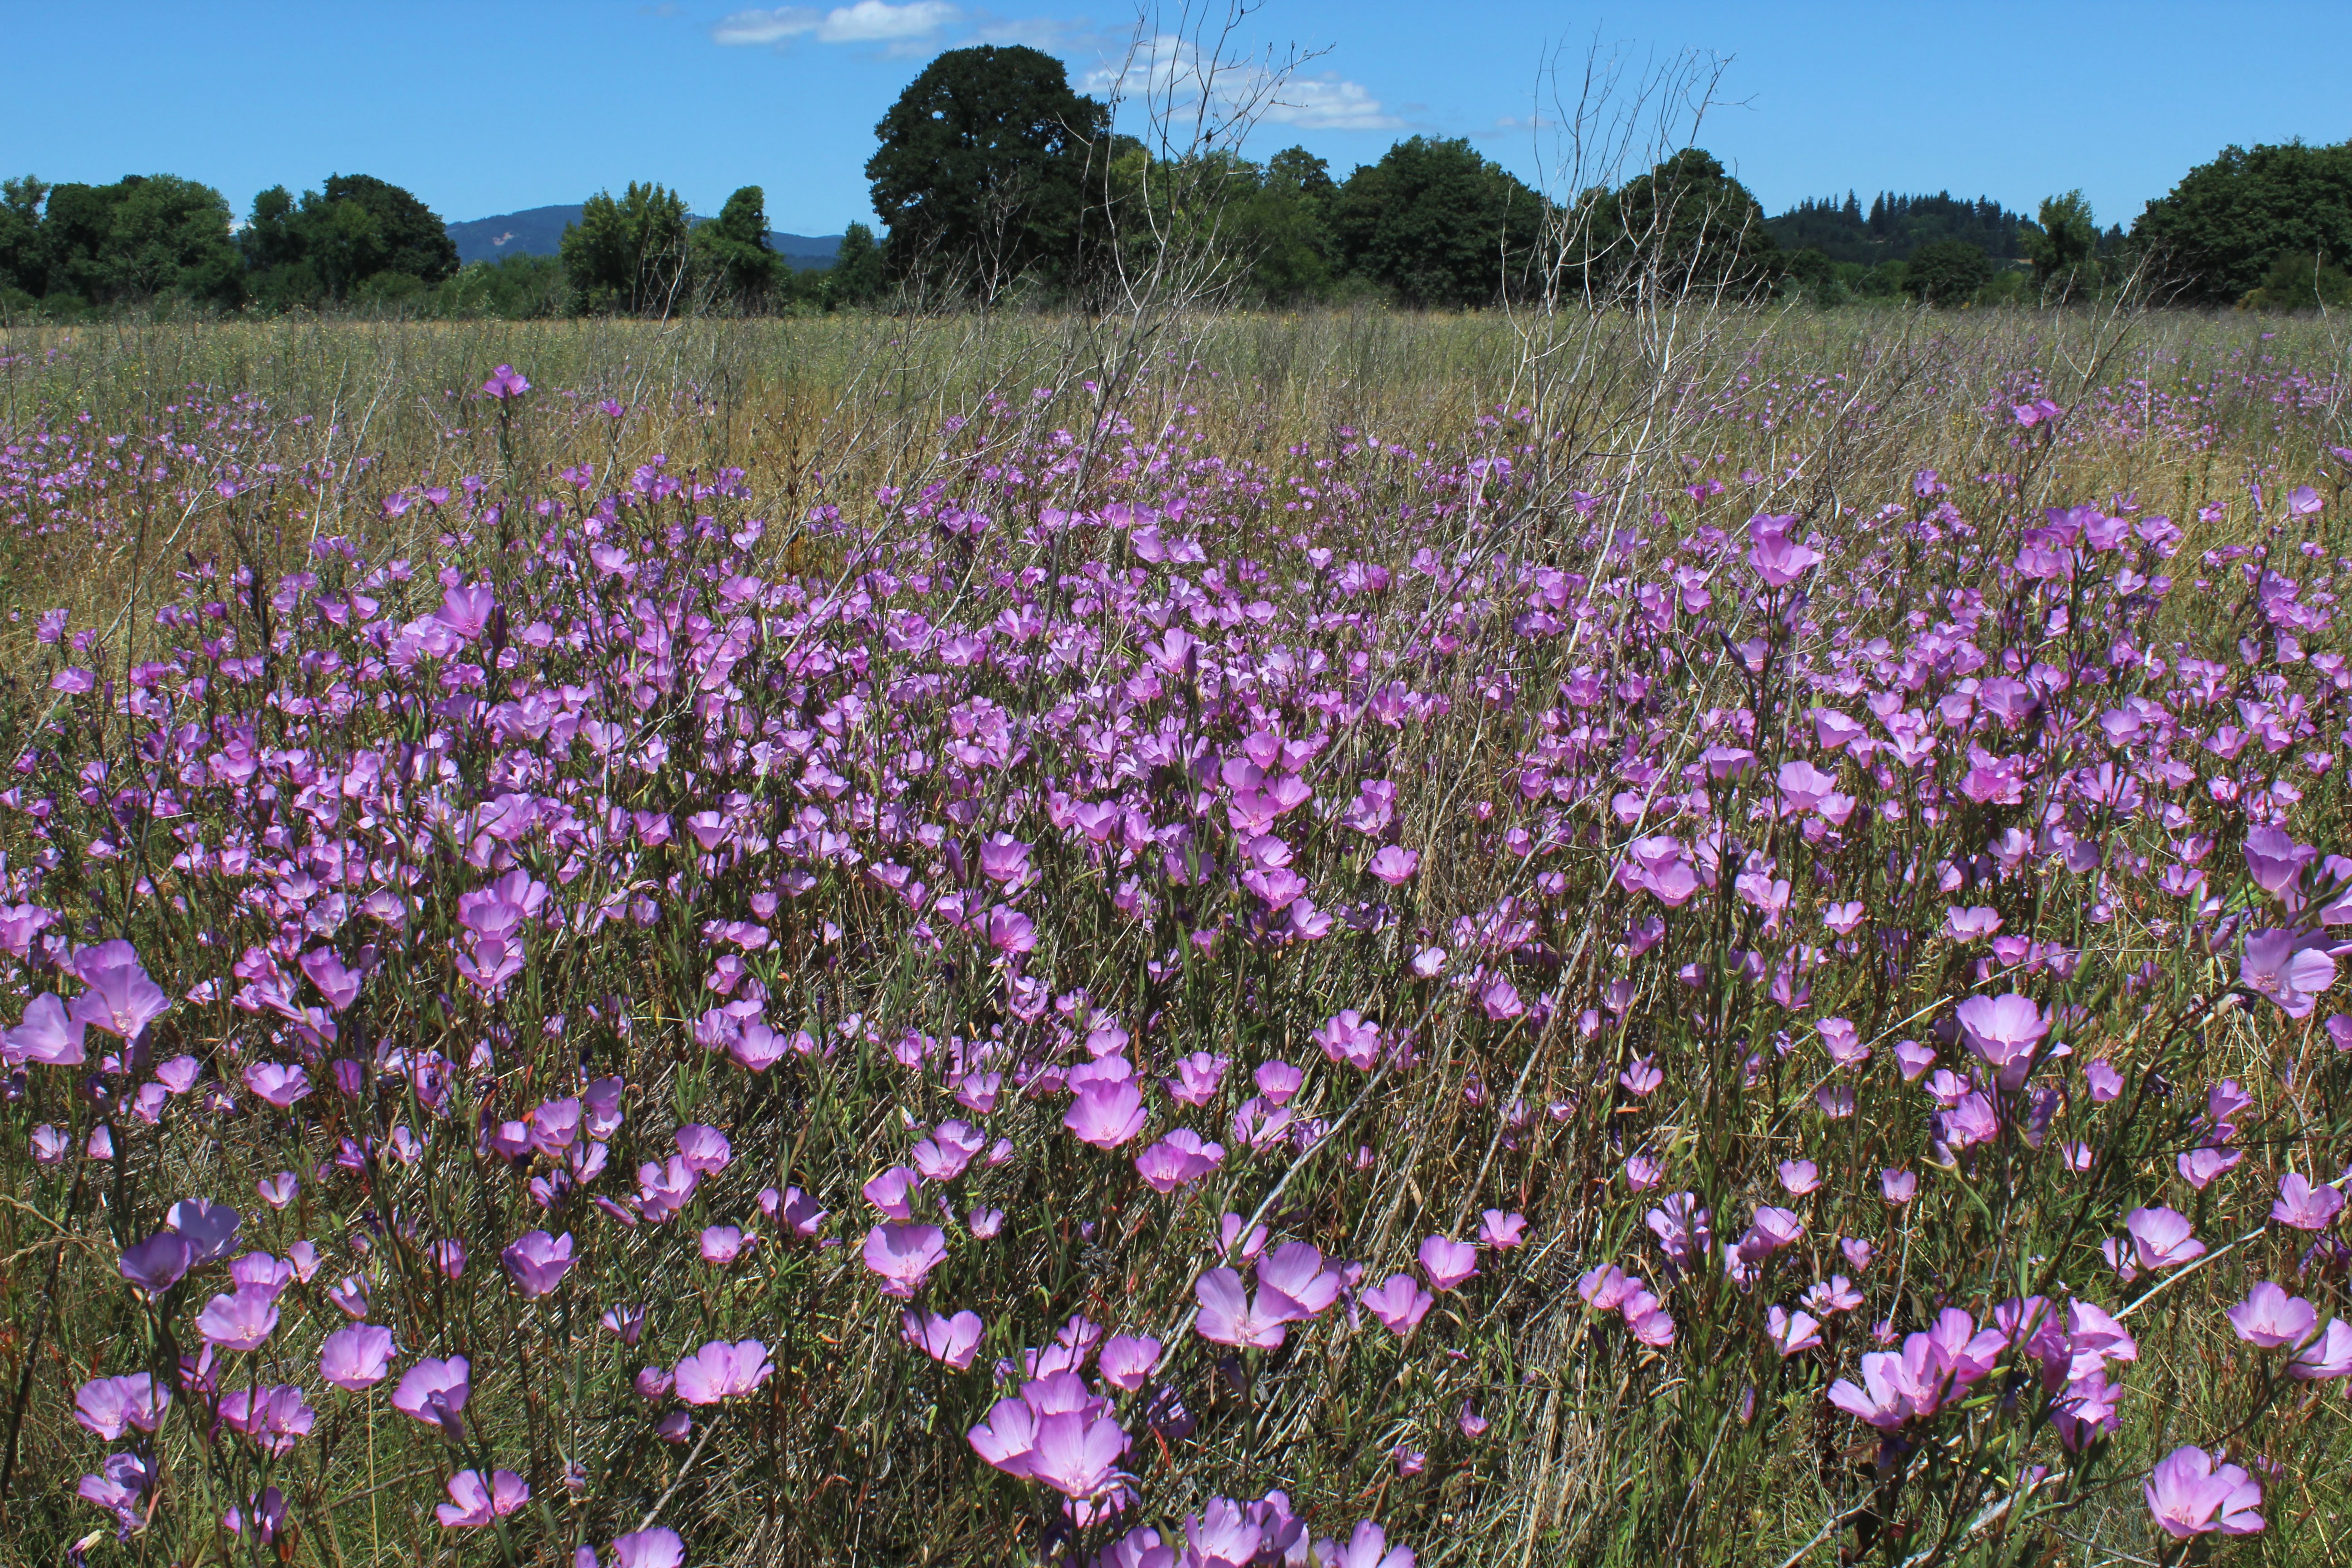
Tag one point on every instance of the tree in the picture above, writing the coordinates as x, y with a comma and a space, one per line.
1813, 277
21, 268
982, 176
2063, 247
2218, 233
731, 250
1435, 223
628, 255
856, 277
361, 236
1685, 224
1282, 228
2301, 283
138, 238
513, 288
1948, 272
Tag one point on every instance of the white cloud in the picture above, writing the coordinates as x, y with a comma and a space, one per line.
1327, 103
867, 22
879, 22
766, 26
1169, 75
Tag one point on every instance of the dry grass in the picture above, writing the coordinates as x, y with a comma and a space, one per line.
1841, 410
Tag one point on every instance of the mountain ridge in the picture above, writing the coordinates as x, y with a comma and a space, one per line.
539, 231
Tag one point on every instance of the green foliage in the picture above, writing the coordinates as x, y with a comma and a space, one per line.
1896, 225
1946, 273
2301, 283
2216, 235
1809, 274
1436, 224
513, 288
1283, 229
1685, 224
981, 178
856, 277
141, 238
628, 255
731, 250
2063, 248
21, 266
1883, 281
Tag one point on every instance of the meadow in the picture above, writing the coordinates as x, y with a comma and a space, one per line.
1349, 938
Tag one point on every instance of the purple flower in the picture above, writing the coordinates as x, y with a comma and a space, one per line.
1007, 1437
472, 1505
2287, 967
2328, 1356
1009, 930
108, 1405
654, 1548
1229, 1317
1777, 558
1177, 1159
340, 985
1368, 1548
904, 1256
705, 1149
2188, 1495
537, 1262
954, 1340
47, 1035
2161, 1238
721, 1371
239, 1321
118, 997
1105, 1114
1073, 1454
1791, 1333
2271, 1317
210, 1230
2304, 1206
505, 382
1501, 1231
122, 1483
269, 1518
1400, 1303
356, 1358
2005, 1031
893, 1191
434, 1392
1293, 1279
721, 1244
1448, 1262
275, 1418
1348, 1036
280, 1086
1394, 866
158, 1263
1127, 1360
2276, 863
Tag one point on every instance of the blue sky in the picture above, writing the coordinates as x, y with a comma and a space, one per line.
484, 106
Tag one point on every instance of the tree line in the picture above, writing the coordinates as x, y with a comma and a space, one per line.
993, 178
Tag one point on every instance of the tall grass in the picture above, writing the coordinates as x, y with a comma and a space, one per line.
1501, 563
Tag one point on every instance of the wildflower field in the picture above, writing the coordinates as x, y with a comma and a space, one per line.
1351, 940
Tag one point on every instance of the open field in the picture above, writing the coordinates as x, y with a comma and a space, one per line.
1669, 938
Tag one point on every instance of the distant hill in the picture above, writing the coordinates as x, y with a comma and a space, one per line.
539, 231
1896, 225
